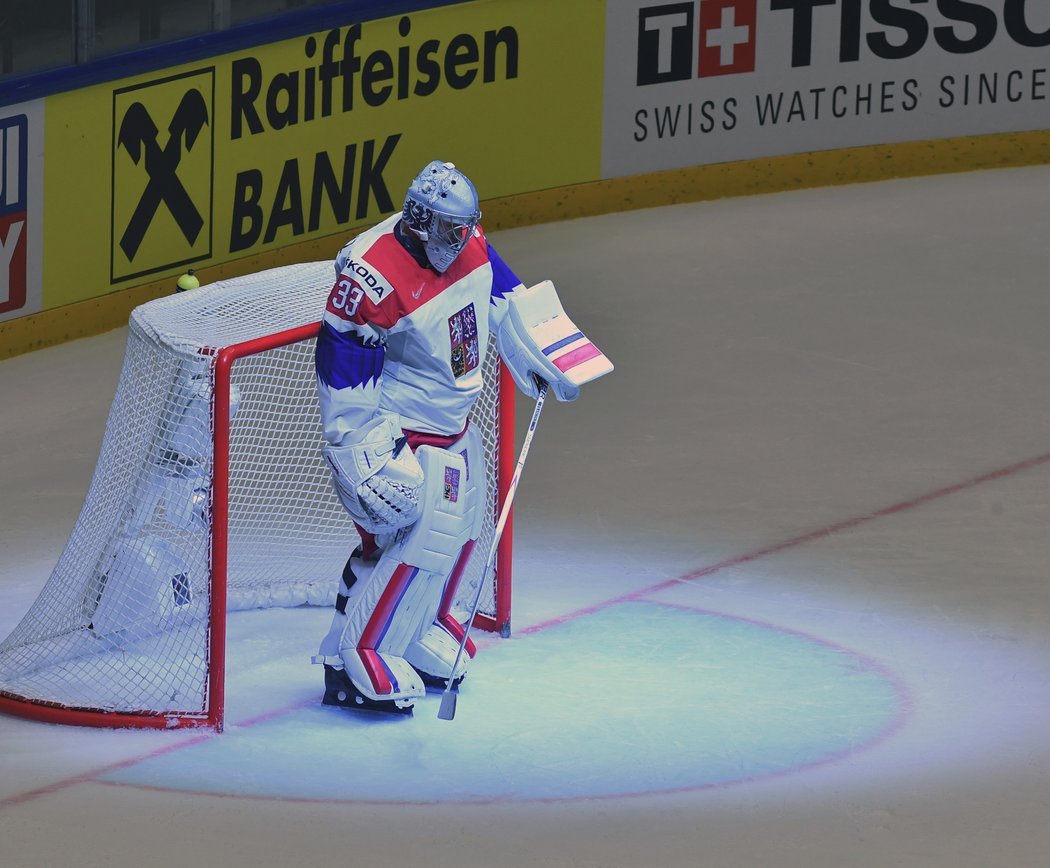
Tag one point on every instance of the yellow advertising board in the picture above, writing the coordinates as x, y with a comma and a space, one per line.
312, 136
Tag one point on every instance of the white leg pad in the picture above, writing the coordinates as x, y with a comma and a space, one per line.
369, 639
472, 448
434, 541
382, 676
392, 604
379, 623
435, 648
435, 653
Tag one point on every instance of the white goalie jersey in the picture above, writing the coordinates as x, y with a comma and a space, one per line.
399, 360
397, 337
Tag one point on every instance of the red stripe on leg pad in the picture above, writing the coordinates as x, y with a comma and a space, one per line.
457, 632
449, 596
377, 671
372, 635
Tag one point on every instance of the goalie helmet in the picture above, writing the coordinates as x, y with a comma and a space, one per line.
441, 208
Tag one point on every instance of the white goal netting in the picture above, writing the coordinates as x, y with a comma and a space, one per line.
124, 622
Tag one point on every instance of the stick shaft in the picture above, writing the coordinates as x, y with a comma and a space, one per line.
500, 524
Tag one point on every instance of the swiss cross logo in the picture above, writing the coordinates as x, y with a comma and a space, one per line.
676, 44
727, 36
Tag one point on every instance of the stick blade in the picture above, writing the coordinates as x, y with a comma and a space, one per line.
447, 710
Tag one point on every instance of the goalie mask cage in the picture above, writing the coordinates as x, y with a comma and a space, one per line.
209, 495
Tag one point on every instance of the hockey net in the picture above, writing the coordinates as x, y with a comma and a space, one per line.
209, 495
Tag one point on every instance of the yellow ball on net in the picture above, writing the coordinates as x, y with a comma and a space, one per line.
187, 281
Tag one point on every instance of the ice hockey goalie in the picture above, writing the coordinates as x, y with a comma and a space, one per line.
399, 365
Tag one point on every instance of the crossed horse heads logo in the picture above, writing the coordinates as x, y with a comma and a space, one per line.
139, 137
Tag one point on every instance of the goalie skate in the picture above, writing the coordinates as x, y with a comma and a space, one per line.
440, 684
435, 653
339, 690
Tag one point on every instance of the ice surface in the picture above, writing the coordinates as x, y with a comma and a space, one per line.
670, 698
781, 579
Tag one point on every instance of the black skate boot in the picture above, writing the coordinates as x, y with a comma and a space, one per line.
339, 690
436, 682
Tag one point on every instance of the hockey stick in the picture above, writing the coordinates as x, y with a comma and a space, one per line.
447, 710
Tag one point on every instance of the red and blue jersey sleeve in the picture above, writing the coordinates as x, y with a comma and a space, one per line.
504, 283
344, 361
348, 360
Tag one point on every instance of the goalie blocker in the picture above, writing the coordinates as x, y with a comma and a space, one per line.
537, 339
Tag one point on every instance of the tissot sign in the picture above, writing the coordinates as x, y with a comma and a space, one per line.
719, 80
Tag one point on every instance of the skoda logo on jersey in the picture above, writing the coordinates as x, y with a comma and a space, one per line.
162, 174
675, 45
